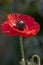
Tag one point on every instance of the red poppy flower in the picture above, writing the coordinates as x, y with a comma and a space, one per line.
20, 25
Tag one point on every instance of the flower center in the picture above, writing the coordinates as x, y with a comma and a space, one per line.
20, 25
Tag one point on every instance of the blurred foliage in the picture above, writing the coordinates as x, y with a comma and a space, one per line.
9, 46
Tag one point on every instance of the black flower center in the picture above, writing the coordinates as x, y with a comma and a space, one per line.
20, 25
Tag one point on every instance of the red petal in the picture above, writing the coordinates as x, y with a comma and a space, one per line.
7, 29
33, 30
11, 19
15, 17
32, 27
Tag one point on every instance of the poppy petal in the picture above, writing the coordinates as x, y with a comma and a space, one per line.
11, 19
31, 29
7, 29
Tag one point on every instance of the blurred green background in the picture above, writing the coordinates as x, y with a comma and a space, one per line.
9, 46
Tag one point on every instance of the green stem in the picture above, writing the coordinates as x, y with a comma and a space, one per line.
22, 52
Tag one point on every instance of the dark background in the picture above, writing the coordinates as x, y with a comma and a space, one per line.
9, 46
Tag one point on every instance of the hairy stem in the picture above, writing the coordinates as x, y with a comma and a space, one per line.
22, 52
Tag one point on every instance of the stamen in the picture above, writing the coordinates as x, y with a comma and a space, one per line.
20, 25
